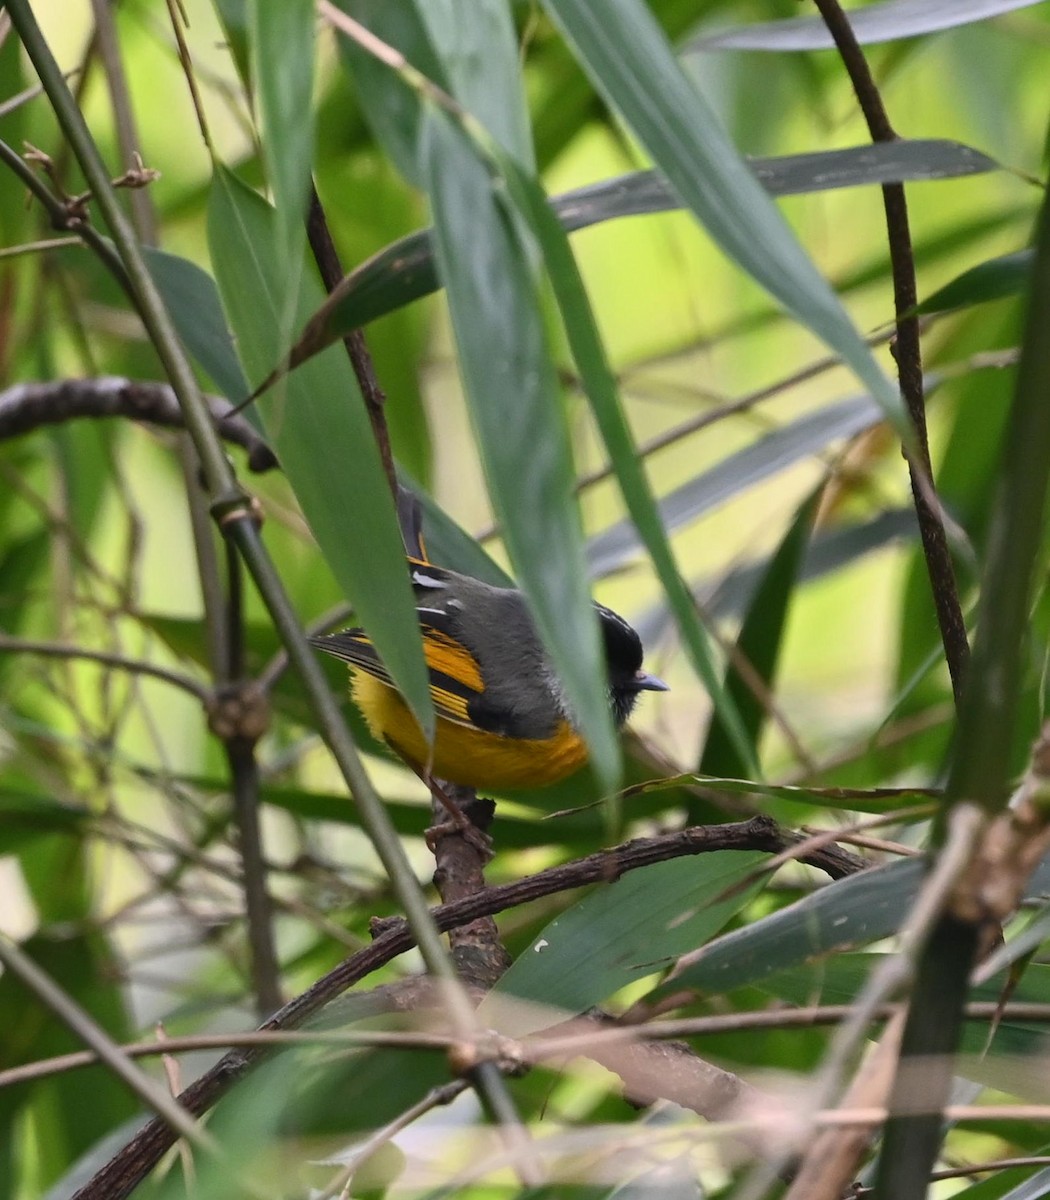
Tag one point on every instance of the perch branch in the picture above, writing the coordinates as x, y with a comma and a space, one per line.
28, 406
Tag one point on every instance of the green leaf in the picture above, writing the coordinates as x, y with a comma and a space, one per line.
599, 384
615, 546
317, 424
874, 23
758, 644
282, 45
990, 706
84, 1105
873, 800
512, 390
644, 192
1035, 1187
627, 930
404, 271
234, 17
849, 912
511, 831
193, 301
1007, 275
391, 107
477, 46
840, 979
630, 62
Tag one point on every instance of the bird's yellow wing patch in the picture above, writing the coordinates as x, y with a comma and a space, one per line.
452, 659
455, 679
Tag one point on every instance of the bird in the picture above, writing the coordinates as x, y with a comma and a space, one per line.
503, 720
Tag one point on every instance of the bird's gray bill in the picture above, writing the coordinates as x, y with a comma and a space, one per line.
649, 683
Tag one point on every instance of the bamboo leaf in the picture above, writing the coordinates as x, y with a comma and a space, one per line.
626, 931
513, 394
995, 279
319, 429
193, 301
391, 108
630, 62
873, 800
875, 23
477, 46
404, 271
600, 386
758, 644
282, 44
850, 912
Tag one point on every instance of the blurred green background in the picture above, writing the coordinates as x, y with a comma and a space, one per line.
119, 865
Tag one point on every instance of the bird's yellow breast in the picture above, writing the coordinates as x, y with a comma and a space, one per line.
467, 755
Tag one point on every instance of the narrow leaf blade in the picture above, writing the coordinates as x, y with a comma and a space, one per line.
404, 271
512, 391
876, 23
629, 60
600, 386
628, 930
282, 45
318, 426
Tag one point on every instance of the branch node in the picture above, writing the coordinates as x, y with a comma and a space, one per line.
236, 506
239, 711
380, 926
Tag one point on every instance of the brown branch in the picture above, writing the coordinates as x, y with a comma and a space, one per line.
258, 906
548, 1046
908, 354
327, 258
16, 645
137, 1158
479, 955
28, 406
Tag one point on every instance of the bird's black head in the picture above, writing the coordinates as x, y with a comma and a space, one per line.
623, 655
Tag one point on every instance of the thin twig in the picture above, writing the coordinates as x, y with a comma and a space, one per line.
327, 258
62, 218
176, 1118
244, 783
177, 17
908, 354
136, 666
437, 1097
537, 1048
142, 215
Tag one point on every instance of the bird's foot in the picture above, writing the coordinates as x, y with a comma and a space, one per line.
460, 826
